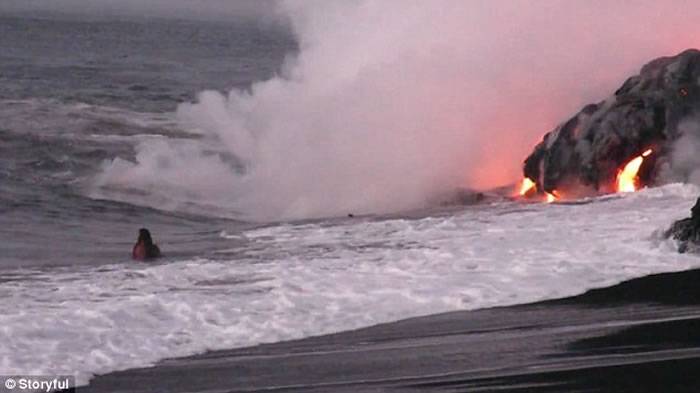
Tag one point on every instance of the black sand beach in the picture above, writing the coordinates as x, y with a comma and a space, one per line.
640, 336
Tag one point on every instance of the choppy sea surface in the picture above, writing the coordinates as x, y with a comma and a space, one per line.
76, 95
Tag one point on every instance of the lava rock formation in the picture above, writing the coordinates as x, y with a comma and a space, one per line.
687, 231
584, 154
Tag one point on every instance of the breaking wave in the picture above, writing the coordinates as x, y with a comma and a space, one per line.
296, 280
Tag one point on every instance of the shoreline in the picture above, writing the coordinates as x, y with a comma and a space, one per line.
641, 333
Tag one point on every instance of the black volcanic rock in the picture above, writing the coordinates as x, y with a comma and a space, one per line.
585, 153
687, 231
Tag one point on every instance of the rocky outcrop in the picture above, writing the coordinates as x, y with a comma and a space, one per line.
586, 152
687, 231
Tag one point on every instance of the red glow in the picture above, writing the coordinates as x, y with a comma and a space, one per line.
553, 196
627, 177
526, 186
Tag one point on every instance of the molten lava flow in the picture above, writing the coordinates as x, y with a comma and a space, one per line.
553, 196
627, 180
526, 186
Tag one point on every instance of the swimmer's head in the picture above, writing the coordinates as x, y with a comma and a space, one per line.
145, 236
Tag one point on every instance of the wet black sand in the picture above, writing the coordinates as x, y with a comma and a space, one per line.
639, 336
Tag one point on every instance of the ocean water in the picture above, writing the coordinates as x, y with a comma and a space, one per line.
76, 97
76, 94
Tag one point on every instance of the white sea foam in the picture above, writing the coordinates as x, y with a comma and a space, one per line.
297, 280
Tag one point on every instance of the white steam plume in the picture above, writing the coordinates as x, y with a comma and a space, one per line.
684, 162
391, 103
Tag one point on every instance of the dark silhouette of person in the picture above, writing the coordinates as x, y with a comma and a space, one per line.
144, 248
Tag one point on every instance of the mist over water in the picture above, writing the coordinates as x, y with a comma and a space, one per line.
389, 105
684, 163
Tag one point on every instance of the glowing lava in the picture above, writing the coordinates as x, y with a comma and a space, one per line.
627, 179
526, 186
553, 196
528, 189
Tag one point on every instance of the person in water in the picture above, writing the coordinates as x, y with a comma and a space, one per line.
145, 248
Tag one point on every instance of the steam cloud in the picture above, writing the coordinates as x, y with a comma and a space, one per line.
390, 104
684, 161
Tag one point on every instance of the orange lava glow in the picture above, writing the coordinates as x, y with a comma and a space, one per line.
528, 189
553, 196
526, 186
627, 179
